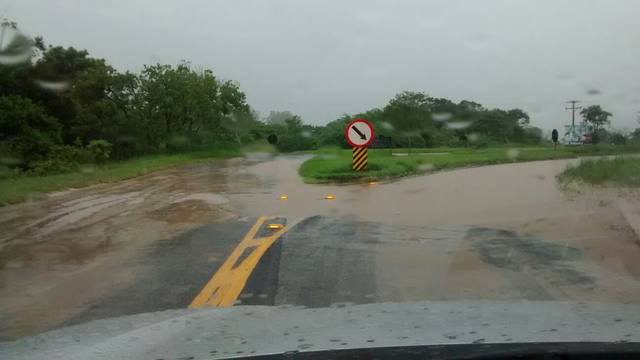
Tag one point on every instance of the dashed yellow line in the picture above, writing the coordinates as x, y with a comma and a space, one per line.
227, 283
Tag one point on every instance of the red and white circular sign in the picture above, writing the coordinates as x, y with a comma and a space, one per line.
359, 133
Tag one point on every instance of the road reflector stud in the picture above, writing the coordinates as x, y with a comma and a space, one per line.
330, 197
275, 226
372, 183
226, 285
284, 197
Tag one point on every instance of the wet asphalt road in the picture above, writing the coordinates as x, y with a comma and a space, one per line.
326, 261
158, 242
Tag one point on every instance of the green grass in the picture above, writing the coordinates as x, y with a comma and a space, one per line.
19, 188
618, 171
334, 165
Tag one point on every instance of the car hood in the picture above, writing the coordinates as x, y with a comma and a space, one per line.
259, 330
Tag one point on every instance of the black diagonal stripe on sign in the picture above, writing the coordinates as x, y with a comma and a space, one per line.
358, 164
360, 159
362, 166
357, 158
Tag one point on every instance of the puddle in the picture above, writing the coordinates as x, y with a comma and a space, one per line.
510, 250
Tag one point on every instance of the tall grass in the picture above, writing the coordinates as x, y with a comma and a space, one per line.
621, 170
335, 164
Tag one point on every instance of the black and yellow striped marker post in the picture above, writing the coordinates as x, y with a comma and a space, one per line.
360, 158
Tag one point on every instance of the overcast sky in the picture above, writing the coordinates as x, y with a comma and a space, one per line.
320, 59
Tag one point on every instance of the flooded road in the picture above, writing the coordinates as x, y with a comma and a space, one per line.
504, 232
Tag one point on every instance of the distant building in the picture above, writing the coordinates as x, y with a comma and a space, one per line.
580, 134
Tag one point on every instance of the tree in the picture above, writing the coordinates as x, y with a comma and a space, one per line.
294, 124
410, 114
278, 117
595, 115
618, 138
27, 132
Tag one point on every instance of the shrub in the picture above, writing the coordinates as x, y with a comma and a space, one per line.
60, 158
27, 132
296, 142
100, 150
409, 140
618, 139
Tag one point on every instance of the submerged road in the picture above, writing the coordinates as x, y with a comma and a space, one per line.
248, 232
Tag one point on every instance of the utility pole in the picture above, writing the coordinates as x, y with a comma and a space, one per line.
4, 27
573, 109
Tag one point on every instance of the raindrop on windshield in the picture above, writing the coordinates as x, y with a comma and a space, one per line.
513, 153
178, 141
593, 92
87, 169
54, 86
9, 161
473, 137
385, 125
17, 49
458, 125
564, 79
425, 167
306, 134
444, 116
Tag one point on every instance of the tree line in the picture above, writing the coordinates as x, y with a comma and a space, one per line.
59, 107
414, 119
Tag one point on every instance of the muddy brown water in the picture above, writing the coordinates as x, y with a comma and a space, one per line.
495, 232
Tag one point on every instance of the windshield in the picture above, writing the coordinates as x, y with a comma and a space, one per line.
319, 155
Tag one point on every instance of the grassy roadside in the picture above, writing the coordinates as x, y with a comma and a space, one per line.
618, 171
334, 165
19, 188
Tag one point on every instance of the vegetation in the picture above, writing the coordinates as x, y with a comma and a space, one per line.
620, 171
63, 112
334, 165
415, 119
597, 117
60, 108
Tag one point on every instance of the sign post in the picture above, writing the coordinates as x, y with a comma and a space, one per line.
360, 159
554, 138
359, 134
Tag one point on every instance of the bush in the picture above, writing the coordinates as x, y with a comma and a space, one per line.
296, 142
618, 139
27, 132
100, 150
479, 141
443, 138
61, 158
409, 140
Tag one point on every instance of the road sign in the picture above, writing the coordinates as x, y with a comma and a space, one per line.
360, 158
359, 133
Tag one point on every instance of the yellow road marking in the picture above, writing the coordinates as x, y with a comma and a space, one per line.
227, 283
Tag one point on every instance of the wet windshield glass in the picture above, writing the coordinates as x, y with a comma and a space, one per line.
324, 155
